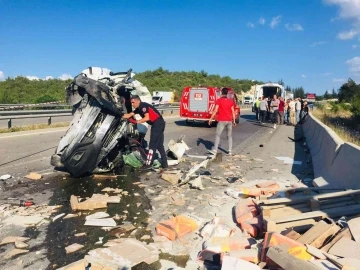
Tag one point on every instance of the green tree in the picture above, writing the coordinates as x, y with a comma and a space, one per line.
334, 94
348, 91
326, 95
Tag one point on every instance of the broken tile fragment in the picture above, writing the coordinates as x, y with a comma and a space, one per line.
13, 239
73, 248
15, 252
33, 176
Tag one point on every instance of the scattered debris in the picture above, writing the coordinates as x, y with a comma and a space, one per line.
58, 216
5, 177
177, 149
178, 226
172, 178
95, 202
80, 234
104, 176
124, 228
97, 215
15, 252
124, 255
196, 183
73, 248
34, 176
193, 170
21, 245
70, 216
100, 242
103, 222
21, 221
13, 239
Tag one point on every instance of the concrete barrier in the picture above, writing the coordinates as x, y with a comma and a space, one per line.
345, 170
336, 163
325, 156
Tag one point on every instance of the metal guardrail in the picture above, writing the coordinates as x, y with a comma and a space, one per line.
49, 114
13, 115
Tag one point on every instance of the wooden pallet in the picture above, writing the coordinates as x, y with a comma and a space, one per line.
303, 212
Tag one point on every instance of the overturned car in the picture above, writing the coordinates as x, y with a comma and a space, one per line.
97, 139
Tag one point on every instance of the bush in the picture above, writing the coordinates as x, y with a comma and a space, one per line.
45, 98
319, 105
335, 107
355, 106
345, 106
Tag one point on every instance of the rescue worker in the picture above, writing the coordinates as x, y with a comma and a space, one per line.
225, 111
151, 116
257, 108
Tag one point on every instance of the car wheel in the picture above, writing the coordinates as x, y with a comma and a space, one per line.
237, 120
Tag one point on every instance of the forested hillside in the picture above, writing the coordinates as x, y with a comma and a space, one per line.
23, 90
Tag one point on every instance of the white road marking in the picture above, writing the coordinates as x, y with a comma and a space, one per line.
29, 134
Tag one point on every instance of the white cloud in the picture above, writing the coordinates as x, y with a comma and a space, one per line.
262, 21
294, 27
354, 46
2, 75
65, 77
275, 21
49, 78
33, 78
354, 65
347, 34
317, 43
348, 10
326, 74
303, 76
338, 80
251, 25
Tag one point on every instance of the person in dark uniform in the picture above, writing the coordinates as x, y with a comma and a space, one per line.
151, 116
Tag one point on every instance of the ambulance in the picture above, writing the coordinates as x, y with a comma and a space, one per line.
198, 103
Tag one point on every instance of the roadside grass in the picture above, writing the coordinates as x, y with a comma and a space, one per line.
342, 121
33, 127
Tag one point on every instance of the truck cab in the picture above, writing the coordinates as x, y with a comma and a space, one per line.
162, 97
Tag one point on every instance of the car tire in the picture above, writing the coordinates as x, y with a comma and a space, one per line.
237, 120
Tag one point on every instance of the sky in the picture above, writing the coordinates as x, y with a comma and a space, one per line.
309, 43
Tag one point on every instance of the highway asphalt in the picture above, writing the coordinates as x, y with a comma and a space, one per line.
30, 151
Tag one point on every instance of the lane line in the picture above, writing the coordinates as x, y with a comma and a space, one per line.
34, 133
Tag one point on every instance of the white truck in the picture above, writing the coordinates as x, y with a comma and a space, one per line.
268, 90
162, 97
248, 100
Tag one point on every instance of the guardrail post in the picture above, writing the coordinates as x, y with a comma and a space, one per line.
9, 123
49, 120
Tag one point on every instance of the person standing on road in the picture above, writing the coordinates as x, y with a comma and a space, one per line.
225, 111
257, 108
297, 109
151, 116
263, 107
274, 107
292, 112
280, 116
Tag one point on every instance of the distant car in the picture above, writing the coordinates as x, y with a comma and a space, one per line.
311, 105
